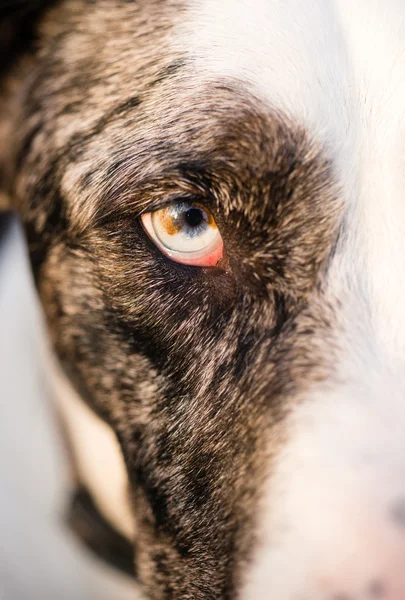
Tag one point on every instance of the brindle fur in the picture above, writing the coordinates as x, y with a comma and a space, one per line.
104, 118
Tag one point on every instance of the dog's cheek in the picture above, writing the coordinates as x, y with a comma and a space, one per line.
71, 302
124, 388
183, 548
108, 374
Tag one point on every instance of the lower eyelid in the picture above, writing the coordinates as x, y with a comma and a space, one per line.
209, 260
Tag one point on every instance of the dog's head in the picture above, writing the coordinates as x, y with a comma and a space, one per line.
214, 201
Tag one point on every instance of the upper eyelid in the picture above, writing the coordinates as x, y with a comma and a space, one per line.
151, 194
162, 203
128, 210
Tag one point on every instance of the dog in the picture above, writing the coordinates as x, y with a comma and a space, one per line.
213, 197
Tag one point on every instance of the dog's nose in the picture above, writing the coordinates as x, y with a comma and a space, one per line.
357, 553
360, 556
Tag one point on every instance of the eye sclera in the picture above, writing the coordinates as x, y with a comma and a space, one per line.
208, 256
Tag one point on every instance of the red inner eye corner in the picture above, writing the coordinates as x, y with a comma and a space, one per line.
213, 258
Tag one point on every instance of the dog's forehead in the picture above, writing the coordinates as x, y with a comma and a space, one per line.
319, 62
294, 55
337, 69
306, 63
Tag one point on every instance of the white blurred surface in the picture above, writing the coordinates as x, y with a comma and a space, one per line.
39, 559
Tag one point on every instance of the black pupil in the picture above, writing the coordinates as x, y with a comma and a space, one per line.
193, 217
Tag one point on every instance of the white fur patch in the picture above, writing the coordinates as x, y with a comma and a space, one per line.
292, 54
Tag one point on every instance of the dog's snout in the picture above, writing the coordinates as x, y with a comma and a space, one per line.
366, 561
357, 555
333, 512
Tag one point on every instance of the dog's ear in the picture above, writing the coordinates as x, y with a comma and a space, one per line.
18, 19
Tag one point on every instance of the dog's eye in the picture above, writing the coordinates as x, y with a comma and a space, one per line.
185, 232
